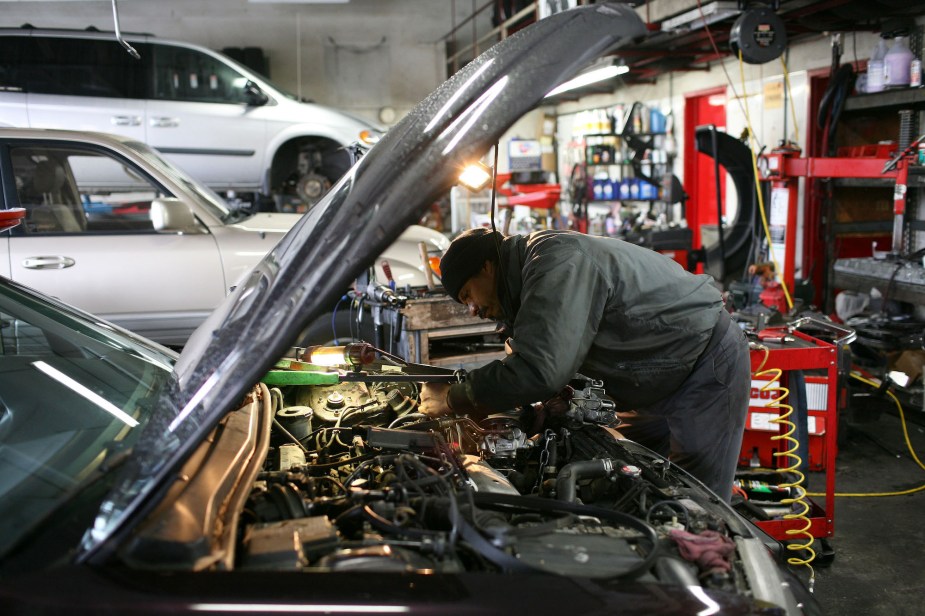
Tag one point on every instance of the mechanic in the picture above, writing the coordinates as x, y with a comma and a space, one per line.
656, 335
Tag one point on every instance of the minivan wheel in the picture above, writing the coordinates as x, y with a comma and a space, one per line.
304, 170
311, 187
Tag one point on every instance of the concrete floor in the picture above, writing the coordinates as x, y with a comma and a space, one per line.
879, 543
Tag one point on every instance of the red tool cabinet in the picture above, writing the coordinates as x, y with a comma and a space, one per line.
820, 358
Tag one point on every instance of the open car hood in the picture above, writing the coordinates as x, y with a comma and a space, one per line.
386, 191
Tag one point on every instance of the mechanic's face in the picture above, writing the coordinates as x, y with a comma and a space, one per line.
480, 294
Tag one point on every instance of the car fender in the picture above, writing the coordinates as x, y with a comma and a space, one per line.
242, 245
404, 256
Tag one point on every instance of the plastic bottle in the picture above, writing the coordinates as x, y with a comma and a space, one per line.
896, 64
875, 67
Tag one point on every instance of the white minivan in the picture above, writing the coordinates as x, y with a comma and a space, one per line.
220, 122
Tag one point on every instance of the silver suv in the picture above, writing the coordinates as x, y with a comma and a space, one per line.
219, 121
112, 227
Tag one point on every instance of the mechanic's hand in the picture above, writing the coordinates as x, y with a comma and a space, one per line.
433, 399
559, 404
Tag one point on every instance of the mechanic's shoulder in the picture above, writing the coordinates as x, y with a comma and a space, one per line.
550, 239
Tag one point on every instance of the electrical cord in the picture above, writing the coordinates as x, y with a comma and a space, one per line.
751, 135
793, 111
333, 317
902, 418
761, 208
719, 55
801, 538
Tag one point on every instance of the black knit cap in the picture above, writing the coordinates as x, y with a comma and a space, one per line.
466, 256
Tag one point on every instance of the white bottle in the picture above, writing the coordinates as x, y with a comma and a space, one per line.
875, 68
896, 64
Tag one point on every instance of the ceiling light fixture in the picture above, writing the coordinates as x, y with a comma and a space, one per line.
700, 17
298, 1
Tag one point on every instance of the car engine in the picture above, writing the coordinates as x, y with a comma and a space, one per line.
366, 482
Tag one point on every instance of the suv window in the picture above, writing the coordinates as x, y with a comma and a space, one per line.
73, 67
74, 190
182, 74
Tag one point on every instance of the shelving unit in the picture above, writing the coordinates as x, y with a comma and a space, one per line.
861, 210
625, 162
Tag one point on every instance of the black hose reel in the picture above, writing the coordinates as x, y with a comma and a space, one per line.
759, 34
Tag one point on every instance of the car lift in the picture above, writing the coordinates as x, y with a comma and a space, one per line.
784, 165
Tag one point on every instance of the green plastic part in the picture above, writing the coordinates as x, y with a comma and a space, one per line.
300, 377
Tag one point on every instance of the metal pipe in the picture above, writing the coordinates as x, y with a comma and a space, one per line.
115, 18
719, 207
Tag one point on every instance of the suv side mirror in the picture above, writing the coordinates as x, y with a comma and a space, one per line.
254, 96
171, 215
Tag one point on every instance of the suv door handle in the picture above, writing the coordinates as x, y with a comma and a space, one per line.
48, 262
165, 122
124, 120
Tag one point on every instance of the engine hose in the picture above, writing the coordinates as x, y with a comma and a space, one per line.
568, 478
802, 539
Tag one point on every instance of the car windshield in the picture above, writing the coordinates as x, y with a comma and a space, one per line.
206, 195
74, 395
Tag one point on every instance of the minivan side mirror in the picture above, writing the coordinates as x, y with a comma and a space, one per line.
171, 215
254, 96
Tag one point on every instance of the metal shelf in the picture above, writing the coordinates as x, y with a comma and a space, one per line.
878, 227
865, 182
903, 98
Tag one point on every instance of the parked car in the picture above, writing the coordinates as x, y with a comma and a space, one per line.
219, 121
237, 477
114, 228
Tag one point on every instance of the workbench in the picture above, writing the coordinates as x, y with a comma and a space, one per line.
438, 318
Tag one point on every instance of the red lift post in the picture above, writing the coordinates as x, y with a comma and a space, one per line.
783, 166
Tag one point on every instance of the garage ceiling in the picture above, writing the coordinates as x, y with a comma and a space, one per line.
679, 42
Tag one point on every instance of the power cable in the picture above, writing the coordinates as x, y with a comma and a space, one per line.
761, 208
717, 52
902, 418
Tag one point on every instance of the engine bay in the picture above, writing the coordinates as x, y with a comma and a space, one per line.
357, 479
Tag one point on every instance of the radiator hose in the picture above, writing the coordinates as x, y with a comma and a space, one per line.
568, 478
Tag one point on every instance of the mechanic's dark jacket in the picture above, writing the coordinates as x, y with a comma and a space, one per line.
602, 307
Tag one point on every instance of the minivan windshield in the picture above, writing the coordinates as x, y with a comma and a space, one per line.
74, 396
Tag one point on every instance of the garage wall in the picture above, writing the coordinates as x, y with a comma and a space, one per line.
771, 120
359, 56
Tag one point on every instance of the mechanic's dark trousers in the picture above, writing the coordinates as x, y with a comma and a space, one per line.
699, 427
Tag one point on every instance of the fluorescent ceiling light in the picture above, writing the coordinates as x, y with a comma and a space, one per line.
699, 17
592, 76
298, 1
286, 608
90, 395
